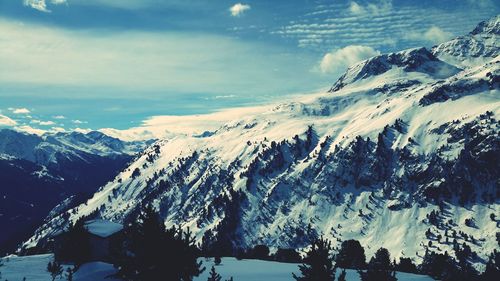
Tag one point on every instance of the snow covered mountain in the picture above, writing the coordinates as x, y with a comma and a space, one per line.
50, 149
476, 48
39, 172
398, 154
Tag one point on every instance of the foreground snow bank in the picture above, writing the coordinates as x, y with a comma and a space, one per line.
95, 271
258, 270
33, 268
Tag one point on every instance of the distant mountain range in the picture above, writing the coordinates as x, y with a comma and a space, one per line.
398, 154
39, 172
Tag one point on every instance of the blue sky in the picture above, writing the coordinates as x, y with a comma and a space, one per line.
67, 64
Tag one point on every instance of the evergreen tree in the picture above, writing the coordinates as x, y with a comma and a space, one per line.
440, 266
287, 255
214, 276
406, 265
351, 255
260, 252
379, 268
492, 272
318, 263
150, 251
55, 269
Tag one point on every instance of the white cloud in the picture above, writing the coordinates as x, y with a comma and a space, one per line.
41, 5
481, 3
38, 131
82, 130
59, 117
341, 59
224, 97
6, 121
238, 9
170, 126
437, 35
57, 130
46, 123
433, 35
374, 8
355, 8
20, 110
139, 4
30, 130
78, 122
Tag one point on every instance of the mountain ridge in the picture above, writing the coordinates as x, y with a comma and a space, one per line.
377, 154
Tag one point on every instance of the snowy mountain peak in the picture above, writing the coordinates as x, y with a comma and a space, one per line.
474, 49
412, 60
491, 26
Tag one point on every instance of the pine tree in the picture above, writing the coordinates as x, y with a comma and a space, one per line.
440, 266
379, 268
55, 269
214, 276
406, 265
318, 264
492, 271
150, 251
351, 255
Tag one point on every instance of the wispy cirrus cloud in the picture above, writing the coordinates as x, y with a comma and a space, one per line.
372, 8
146, 60
382, 24
481, 3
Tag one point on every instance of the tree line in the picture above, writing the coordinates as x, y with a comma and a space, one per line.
150, 251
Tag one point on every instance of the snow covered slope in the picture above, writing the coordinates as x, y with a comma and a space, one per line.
397, 137
16, 268
241, 270
252, 270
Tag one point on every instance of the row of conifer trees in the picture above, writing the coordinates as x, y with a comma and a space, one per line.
150, 251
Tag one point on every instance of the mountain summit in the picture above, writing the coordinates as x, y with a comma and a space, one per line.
473, 49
